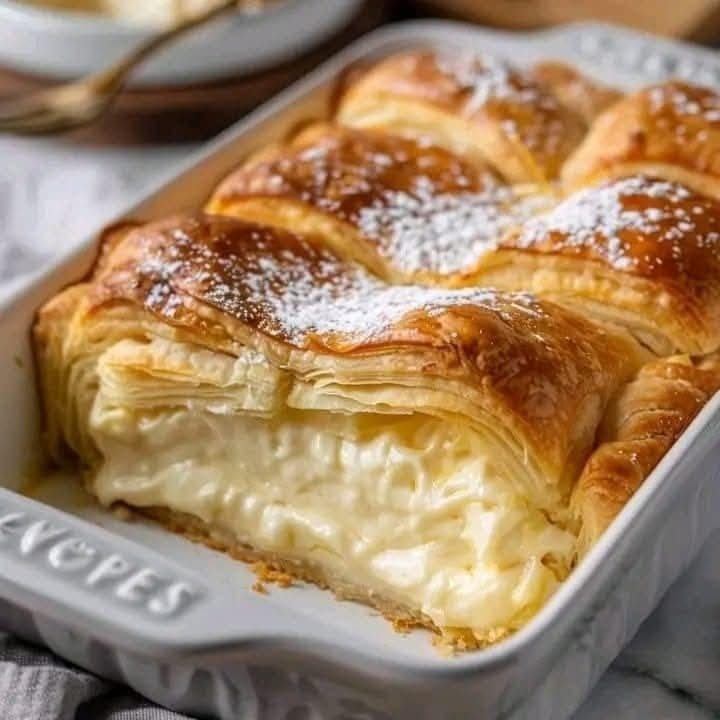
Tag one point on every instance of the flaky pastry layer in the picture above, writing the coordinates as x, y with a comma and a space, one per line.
408, 210
642, 424
639, 252
471, 104
670, 130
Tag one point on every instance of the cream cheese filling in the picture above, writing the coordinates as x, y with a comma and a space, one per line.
405, 505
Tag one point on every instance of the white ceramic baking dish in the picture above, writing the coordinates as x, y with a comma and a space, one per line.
180, 624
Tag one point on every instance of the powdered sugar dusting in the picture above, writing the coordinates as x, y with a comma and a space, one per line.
423, 230
488, 78
681, 111
685, 102
295, 290
345, 171
423, 208
608, 220
362, 307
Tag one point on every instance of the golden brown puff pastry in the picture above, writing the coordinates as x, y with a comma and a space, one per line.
640, 252
408, 445
408, 210
474, 105
255, 378
670, 131
583, 96
643, 423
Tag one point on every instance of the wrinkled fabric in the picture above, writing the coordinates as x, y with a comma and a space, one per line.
36, 685
52, 195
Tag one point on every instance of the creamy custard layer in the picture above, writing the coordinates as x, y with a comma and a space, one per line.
405, 505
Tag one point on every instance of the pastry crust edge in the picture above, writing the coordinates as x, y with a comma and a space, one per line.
283, 570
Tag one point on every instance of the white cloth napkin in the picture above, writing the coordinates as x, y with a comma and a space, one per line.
52, 195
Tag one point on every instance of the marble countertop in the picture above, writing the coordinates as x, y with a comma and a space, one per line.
671, 669
52, 193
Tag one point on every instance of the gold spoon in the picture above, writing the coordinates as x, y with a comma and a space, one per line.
80, 102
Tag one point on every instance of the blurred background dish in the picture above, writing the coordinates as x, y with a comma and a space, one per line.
193, 89
158, 13
56, 43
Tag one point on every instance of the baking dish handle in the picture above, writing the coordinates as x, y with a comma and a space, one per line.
64, 568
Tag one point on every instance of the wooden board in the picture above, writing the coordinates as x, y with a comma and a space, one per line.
689, 19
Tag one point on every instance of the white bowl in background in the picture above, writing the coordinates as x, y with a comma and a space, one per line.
57, 44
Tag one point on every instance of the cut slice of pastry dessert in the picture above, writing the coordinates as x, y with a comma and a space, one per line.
411, 447
408, 210
474, 105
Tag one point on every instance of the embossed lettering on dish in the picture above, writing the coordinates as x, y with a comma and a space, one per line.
64, 553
